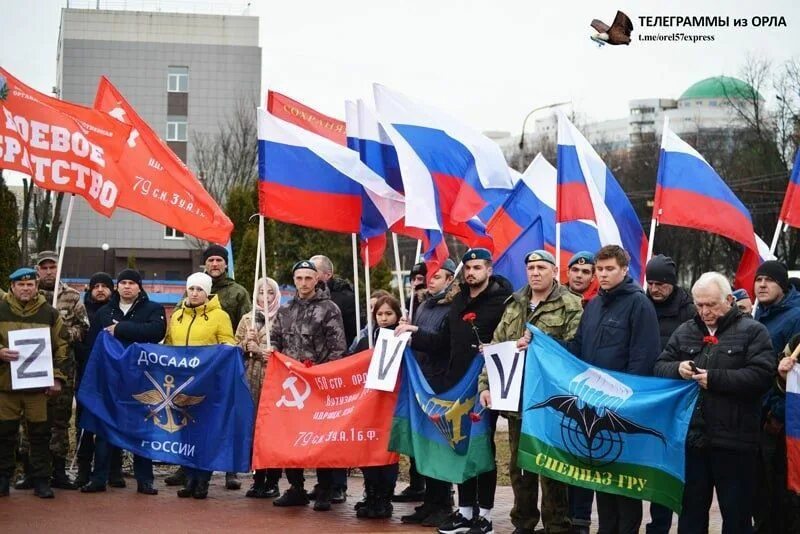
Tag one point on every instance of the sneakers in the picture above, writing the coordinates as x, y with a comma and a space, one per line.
456, 524
420, 513
24, 483
93, 487
41, 488
292, 497
410, 494
481, 525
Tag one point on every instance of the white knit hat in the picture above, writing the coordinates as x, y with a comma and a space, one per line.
201, 280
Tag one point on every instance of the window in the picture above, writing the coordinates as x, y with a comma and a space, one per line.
177, 129
178, 80
172, 233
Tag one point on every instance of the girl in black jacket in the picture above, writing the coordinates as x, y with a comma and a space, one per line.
379, 481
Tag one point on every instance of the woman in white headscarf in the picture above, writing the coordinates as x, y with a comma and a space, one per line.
252, 337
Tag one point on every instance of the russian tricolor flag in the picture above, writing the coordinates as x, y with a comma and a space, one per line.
530, 212
790, 211
311, 180
467, 170
690, 193
588, 191
793, 428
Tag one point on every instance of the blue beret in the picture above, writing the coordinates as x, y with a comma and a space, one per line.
304, 264
740, 294
23, 273
581, 258
539, 255
476, 254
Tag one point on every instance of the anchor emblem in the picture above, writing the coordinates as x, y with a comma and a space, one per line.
167, 400
297, 399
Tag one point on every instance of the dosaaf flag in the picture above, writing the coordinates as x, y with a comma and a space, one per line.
444, 433
64, 147
157, 184
180, 405
322, 416
603, 430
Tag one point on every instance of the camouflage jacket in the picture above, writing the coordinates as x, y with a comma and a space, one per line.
310, 329
557, 316
233, 298
72, 310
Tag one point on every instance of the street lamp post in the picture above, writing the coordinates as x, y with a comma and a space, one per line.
531, 112
105, 248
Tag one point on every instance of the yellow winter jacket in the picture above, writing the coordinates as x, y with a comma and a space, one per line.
207, 324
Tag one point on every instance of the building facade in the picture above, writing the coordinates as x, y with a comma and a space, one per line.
184, 74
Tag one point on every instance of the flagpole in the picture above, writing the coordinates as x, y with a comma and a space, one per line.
558, 247
367, 291
64, 235
400, 284
262, 242
412, 296
775, 237
650, 240
355, 283
256, 270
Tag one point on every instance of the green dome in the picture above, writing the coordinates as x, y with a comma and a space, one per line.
719, 87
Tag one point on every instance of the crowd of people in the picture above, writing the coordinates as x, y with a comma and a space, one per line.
738, 346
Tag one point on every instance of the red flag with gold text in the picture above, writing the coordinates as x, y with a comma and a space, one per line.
322, 416
158, 185
64, 147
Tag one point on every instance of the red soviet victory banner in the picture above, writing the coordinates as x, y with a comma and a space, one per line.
157, 183
305, 117
63, 146
322, 416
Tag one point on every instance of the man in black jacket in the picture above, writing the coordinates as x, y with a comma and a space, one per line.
483, 295
131, 317
430, 316
341, 292
674, 307
618, 331
730, 356
97, 295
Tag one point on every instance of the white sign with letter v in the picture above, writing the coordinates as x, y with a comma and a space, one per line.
504, 365
34, 367
386, 359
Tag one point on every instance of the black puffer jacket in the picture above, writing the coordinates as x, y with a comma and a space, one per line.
618, 331
741, 367
673, 312
145, 321
431, 317
457, 337
342, 295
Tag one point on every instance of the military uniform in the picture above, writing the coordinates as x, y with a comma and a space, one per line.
557, 316
32, 404
59, 408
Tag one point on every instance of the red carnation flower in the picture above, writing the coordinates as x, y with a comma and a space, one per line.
474, 417
469, 317
710, 340
308, 363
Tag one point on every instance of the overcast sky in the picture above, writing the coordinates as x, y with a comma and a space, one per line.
486, 62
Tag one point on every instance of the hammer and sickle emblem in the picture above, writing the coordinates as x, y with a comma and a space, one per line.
297, 399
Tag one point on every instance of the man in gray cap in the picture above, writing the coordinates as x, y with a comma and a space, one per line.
76, 325
553, 309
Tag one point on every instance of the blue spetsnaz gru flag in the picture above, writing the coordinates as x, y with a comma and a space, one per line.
182, 405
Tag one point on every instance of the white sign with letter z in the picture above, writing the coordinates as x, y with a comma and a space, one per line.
34, 367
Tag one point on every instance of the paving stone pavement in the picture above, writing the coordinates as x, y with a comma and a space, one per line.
121, 511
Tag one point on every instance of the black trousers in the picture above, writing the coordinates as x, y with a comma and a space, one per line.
437, 493
479, 491
733, 475
617, 514
416, 481
324, 478
660, 519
